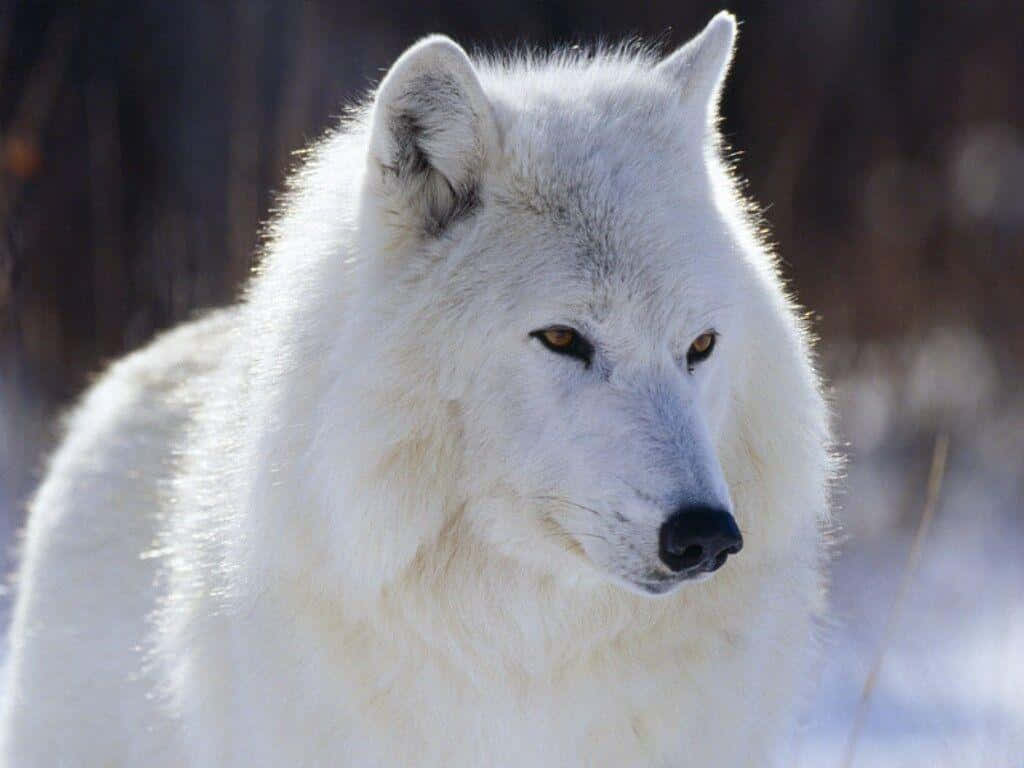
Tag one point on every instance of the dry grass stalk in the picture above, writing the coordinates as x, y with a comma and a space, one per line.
935, 475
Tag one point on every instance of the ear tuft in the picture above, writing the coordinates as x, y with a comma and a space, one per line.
700, 66
431, 132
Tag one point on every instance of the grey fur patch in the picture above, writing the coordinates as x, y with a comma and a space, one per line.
431, 101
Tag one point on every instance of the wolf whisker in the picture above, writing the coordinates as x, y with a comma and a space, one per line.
568, 502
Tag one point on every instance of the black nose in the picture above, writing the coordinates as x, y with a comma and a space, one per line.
698, 538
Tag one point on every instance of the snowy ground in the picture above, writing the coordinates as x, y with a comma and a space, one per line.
951, 688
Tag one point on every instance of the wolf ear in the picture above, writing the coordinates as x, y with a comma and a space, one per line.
699, 67
431, 132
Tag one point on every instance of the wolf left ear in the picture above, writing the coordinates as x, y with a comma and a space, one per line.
431, 132
699, 67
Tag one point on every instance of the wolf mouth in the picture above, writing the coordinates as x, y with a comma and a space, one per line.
656, 584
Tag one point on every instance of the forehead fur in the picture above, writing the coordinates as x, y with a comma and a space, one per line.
603, 172
593, 128
604, 182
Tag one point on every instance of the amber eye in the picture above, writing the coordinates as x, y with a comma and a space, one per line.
559, 337
565, 341
701, 348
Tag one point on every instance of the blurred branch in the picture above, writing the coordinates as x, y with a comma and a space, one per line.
6, 28
935, 475
109, 272
7, 253
298, 88
244, 145
22, 144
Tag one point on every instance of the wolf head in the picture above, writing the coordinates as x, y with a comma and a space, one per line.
560, 307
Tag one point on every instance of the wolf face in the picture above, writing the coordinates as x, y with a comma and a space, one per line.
575, 287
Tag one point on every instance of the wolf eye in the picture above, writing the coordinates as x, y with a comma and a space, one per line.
565, 341
701, 348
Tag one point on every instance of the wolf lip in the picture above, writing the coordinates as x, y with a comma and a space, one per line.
660, 585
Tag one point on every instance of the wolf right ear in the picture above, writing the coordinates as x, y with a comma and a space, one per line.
699, 67
431, 132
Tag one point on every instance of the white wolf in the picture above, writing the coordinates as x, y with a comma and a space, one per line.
449, 485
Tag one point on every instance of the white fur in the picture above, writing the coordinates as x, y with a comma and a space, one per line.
364, 519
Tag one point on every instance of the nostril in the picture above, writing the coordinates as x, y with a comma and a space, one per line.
691, 556
698, 538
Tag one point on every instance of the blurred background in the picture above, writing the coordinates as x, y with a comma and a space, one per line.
141, 144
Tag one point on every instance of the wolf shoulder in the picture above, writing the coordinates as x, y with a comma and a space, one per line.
88, 561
